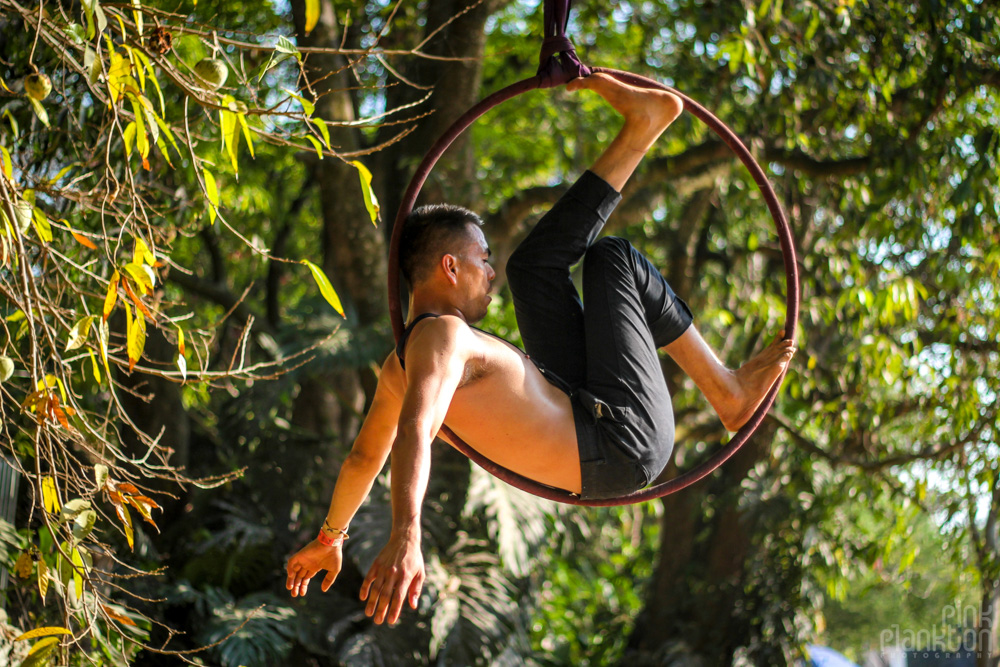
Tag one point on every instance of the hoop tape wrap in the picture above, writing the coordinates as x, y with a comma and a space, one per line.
787, 250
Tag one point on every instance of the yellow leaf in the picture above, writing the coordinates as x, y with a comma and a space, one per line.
325, 288
212, 192
42, 226
43, 579
126, 518
6, 164
42, 632
117, 72
141, 138
136, 339
103, 335
112, 296
246, 132
371, 201
128, 136
50, 381
144, 509
312, 15
25, 565
181, 361
142, 253
230, 135
78, 569
50, 499
78, 334
142, 274
40, 652
95, 367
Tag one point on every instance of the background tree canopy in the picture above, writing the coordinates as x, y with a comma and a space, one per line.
177, 392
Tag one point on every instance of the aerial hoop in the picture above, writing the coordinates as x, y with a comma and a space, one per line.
787, 250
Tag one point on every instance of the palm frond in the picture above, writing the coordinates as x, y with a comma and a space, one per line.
519, 522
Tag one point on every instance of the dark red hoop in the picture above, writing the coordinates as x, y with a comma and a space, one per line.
787, 250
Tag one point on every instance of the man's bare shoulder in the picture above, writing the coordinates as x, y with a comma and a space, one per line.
431, 335
436, 334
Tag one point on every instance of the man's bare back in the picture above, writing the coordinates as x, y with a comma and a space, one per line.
504, 407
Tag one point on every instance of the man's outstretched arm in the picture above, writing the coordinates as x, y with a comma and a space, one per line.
435, 364
357, 474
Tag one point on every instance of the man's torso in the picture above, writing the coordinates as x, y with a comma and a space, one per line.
506, 409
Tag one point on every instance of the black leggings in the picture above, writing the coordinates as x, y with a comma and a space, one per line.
605, 354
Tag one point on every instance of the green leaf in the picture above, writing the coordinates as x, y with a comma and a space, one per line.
307, 106
14, 127
39, 111
84, 524
371, 202
78, 334
315, 142
325, 288
100, 475
73, 508
212, 191
6, 368
323, 129
78, 569
285, 45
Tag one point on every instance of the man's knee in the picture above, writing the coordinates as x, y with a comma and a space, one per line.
518, 269
608, 250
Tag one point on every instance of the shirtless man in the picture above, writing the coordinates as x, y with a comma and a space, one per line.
588, 411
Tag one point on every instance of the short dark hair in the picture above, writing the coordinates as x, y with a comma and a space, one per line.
428, 233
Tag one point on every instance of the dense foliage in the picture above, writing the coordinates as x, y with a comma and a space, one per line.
162, 348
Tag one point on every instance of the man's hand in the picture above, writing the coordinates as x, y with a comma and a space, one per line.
312, 558
396, 575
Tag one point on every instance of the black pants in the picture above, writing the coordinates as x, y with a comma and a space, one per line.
604, 349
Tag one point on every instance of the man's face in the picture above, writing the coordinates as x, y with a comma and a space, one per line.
476, 274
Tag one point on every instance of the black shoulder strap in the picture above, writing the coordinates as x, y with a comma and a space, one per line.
401, 345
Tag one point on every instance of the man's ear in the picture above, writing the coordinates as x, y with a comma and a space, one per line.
449, 265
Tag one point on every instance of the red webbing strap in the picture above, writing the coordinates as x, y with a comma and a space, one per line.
553, 71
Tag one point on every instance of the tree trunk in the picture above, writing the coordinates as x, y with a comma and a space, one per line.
699, 578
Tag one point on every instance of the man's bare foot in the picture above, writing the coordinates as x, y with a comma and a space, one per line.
751, 383
647, 111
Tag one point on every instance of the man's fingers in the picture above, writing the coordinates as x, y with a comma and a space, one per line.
372, 594
396, 606
367, 583
415, 587
328, 581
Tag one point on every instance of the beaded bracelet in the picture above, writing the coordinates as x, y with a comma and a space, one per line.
335, 540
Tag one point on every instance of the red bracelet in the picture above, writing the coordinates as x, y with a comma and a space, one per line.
328, 541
